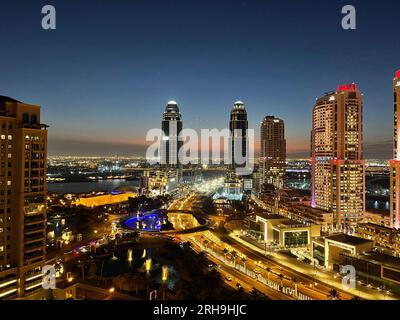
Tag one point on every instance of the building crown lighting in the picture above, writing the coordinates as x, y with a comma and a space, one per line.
347, 87
397, 74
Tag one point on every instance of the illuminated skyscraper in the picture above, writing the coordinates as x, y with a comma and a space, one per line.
171, 126
238, 126
273, 151
395, 163
338, 180
23, 142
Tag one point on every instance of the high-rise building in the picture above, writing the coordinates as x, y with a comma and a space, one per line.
395, 163
171, 126
23, 152
273, 152
338, 180
238, 127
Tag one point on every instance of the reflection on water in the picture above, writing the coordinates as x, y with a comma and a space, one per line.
83, 187
380, 205
132, 261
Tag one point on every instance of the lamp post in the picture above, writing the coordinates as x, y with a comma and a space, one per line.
164, 279
130, 255
148, 269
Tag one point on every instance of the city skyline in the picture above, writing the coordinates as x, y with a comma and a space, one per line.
214, 151
85, 65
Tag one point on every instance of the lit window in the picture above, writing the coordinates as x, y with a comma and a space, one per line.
3, 137
9, 137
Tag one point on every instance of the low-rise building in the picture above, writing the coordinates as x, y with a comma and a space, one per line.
381, 236
378, 217
304, 213
375, 268
103, 199
159, 181
284, 232
327, 250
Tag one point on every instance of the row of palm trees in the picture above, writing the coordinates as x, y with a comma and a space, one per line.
333, 293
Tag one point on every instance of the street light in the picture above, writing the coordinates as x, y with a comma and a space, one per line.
164, 278
130, 255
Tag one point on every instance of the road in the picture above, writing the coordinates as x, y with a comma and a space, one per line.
246, 282
270, 269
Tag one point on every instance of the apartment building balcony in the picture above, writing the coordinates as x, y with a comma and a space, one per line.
35, 229
36, 238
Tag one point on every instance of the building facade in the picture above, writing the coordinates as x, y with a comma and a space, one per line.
23, 157
159, 182
273, 152
395, 163
238, 127
171, 126
338, 179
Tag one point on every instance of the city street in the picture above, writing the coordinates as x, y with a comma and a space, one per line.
310, 282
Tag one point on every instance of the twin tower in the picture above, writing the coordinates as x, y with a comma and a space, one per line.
272, 146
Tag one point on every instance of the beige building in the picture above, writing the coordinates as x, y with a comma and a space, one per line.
381, 236
23, 142
395, 163
338, 180
273, 152
380, 218
104, 199
286, 232
335, 245
160, 181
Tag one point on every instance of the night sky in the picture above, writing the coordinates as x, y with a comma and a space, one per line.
104, 76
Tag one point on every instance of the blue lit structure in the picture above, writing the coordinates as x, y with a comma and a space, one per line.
150, 221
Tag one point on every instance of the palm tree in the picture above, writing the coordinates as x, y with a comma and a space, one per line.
234, 256
356, 298
294, 281
244, 262
334, 295
225, 251
254, 293
281, 277
268, 272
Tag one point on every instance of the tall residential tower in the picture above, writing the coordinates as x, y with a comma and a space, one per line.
23, 143
338, 180
273, 152
238, 127
395, 163
171, 126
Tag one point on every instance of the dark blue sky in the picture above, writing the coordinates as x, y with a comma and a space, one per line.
104, 76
